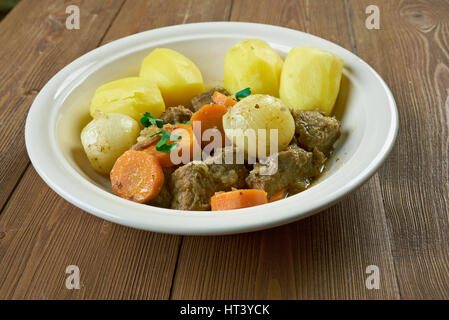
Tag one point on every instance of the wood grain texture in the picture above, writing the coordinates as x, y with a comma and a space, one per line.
398, 220
322, 257
411, 52
33, 50
41, 234
141, 15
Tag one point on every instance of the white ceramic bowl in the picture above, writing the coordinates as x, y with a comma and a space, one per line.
365, 106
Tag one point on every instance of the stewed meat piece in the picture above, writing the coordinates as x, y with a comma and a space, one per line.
206, 98
226, 170
315, 130
289, 170
195, 183
192, 187
174, 115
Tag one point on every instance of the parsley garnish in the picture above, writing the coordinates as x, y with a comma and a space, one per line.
148, 120
163, 147
162, 144
186, 122
243, 94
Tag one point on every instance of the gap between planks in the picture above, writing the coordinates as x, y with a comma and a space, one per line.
348, 10
36, 92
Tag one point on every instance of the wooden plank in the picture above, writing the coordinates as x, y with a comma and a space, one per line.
44, 234
290, 14
411, 52
41, 234
141, 15
32, 52
322, 257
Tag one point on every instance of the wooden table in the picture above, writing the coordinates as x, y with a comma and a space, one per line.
397, 221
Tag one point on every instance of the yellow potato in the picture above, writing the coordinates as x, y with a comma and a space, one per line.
178, 78
254, 121
310, 79
130, 96
252, 63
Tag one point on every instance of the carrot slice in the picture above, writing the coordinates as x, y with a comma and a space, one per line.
238, 199
185, 144
211, 117
188, 139
224, 100
163, 157
137, 176
279, 195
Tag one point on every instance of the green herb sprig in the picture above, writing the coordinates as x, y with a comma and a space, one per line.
243, 94
162, 144
148, 119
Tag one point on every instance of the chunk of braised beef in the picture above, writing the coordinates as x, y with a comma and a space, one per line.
227, 170
313, 129
195, 183
191, 187
290, 170
206, 98
178, 114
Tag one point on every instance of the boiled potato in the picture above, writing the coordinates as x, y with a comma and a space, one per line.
107, 137
310, 79
130, 96
252, 118
178, 78
252, 63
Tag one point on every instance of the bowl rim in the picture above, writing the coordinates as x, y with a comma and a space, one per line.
59, 175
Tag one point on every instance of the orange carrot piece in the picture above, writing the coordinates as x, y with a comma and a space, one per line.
238, 199
224, 100
137, 176
162, 157
185, 144
279, 195
211, 117
188, 139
